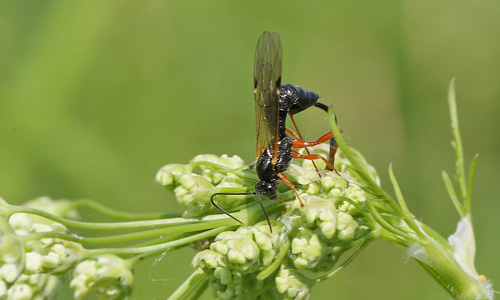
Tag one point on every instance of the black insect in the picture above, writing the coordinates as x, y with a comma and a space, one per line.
273, 102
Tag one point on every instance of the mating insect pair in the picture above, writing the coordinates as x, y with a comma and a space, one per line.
273, 102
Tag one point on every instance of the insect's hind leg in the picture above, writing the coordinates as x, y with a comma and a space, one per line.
299, 136
333, 142
330, 166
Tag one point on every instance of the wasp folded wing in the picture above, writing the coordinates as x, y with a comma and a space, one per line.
267, 81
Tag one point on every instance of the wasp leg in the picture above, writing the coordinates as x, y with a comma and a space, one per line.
298, 135
292, 133
284, 205
296, 154
286, 181
300, 143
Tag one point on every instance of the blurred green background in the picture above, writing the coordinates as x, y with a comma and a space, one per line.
96, 96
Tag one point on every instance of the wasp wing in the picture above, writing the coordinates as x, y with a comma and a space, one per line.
267, 81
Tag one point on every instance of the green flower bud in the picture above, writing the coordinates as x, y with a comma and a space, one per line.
12, 260
9, 272
320, 213
230, 162
302, 175
48, 286
33, 287
33, 263
3, 290
293, 285
231, 180
356, 194
108, 276
212, 173
194, 193
46, 254
346, 227
224, 275
235, 259
62, 208
330, 180
21, 223
240, 251
24, 223
268, 243
170, 174
20, 291
37, 227
307, 251
207, 260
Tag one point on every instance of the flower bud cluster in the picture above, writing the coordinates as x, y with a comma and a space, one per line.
194, 184
292, 284
33, 287
236, 257
35, 255
316, 234
25, 265
46, 254
107, 276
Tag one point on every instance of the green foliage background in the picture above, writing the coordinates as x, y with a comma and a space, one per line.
96, 96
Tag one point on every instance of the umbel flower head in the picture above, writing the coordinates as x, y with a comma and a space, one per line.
304, 241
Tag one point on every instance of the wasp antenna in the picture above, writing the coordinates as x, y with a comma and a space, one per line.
221, 209
265, 213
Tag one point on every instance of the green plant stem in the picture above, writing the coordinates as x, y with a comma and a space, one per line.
346, 262
128, 236
191, 287
98, 207
388, 227
445, 269
154, 249
402, 203
216, 220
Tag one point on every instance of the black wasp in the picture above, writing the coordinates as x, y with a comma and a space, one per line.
273, 102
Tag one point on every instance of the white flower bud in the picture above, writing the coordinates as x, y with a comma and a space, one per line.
20, 292
9, 272
33, 263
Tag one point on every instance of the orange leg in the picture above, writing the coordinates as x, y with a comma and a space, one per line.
300, 143
332, 154
284, 205
291, 132
285, 180
296, 154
